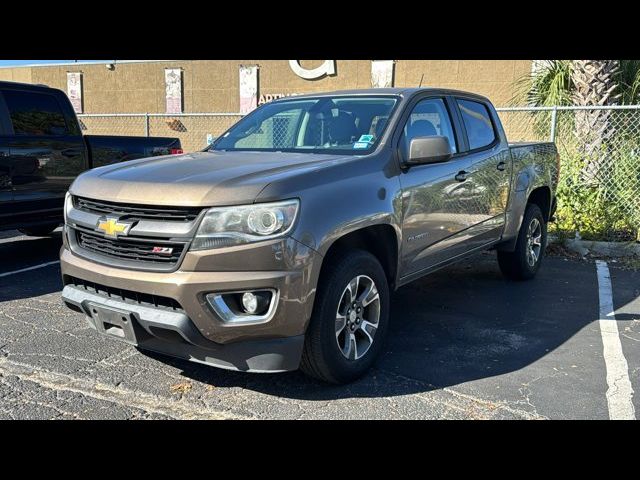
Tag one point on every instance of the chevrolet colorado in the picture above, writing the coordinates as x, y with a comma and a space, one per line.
278, 246
42, 150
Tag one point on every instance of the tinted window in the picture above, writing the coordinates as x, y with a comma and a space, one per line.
477, 121
314, 125
428, 118
34, 113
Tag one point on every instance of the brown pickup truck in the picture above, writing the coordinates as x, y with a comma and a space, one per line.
279, 245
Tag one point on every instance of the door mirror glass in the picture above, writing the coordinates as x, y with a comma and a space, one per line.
432, 149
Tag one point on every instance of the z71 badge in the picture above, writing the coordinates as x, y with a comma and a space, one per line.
163, 250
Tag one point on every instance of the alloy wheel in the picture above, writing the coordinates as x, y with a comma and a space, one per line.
357, 317
534, 242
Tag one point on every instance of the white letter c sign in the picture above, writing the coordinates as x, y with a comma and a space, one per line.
328, 67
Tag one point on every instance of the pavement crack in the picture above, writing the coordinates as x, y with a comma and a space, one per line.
35, 326
487, 405
121, 396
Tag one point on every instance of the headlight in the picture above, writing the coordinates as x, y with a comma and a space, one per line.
68, 205
227, 226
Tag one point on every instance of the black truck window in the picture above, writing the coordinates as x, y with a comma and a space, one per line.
477, 121
34, 113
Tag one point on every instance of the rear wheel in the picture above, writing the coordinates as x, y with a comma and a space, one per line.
349, 320
39, 231
523, 263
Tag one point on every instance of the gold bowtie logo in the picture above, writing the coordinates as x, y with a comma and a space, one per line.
111, 227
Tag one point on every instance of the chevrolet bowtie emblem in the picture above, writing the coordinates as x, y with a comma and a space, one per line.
112, 227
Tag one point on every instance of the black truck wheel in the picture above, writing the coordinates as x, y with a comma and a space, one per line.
349, 319
523, 263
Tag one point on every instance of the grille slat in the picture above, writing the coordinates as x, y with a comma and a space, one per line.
127, 296
129, 250
178, 214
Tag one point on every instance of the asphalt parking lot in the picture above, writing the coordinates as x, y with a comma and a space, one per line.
464, 344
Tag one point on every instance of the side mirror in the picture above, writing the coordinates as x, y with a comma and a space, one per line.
424, 150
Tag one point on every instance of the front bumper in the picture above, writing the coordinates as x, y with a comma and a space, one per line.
172, 333
193, 331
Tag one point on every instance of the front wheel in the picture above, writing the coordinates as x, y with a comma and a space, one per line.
524, 262
349, 319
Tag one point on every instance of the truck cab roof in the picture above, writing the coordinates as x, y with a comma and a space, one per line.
24, 85
402, 91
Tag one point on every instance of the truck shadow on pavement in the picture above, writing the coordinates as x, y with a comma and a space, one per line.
462, 323
21, 252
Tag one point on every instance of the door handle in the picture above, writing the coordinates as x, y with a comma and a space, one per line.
70, 152
501, 166
461, 176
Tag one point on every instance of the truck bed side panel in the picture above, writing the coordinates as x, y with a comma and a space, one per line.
534, 166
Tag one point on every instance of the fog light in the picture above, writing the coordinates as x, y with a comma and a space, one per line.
256, 302
244, 307
250, 302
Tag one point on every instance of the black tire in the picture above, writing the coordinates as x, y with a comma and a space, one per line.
39, 231
515, 265
322, 357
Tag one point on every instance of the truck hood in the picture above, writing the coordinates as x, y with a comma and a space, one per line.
196, 179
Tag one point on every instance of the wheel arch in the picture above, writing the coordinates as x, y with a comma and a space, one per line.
540, 196
381, 240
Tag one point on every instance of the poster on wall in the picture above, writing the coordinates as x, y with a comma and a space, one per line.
173, 86
248, 88
74, 90
382, 73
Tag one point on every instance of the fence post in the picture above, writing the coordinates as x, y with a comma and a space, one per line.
146, 124
554, 118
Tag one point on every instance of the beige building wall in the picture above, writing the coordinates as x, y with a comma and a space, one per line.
212, 85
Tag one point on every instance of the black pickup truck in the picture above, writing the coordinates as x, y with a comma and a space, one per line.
42, 149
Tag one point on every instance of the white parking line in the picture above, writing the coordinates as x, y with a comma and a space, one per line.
6, 274
619, 391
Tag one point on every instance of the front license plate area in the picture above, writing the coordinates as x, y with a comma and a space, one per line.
114, 322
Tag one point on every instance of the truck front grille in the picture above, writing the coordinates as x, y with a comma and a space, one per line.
124, 210
143, 250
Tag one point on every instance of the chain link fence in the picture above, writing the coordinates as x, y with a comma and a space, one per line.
599, 189
193, 129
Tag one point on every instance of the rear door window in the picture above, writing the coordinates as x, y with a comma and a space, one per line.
35, 113
477, 122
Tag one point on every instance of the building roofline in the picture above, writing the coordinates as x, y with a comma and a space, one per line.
97, 62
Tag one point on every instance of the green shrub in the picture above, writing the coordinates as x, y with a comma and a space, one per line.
605, 206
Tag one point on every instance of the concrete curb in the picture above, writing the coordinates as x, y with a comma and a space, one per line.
609, 249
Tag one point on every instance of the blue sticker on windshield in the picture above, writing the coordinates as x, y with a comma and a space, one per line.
366, 138
361, 145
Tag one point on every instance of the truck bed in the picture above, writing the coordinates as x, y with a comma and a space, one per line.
108, 149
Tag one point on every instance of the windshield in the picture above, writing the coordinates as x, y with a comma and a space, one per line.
316, 125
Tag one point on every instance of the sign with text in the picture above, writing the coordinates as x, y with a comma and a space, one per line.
248, 88
268, 97
74, 90
173, 89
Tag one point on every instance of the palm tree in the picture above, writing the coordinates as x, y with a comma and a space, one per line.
595, 84
584, 83
554, 82
549, 84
